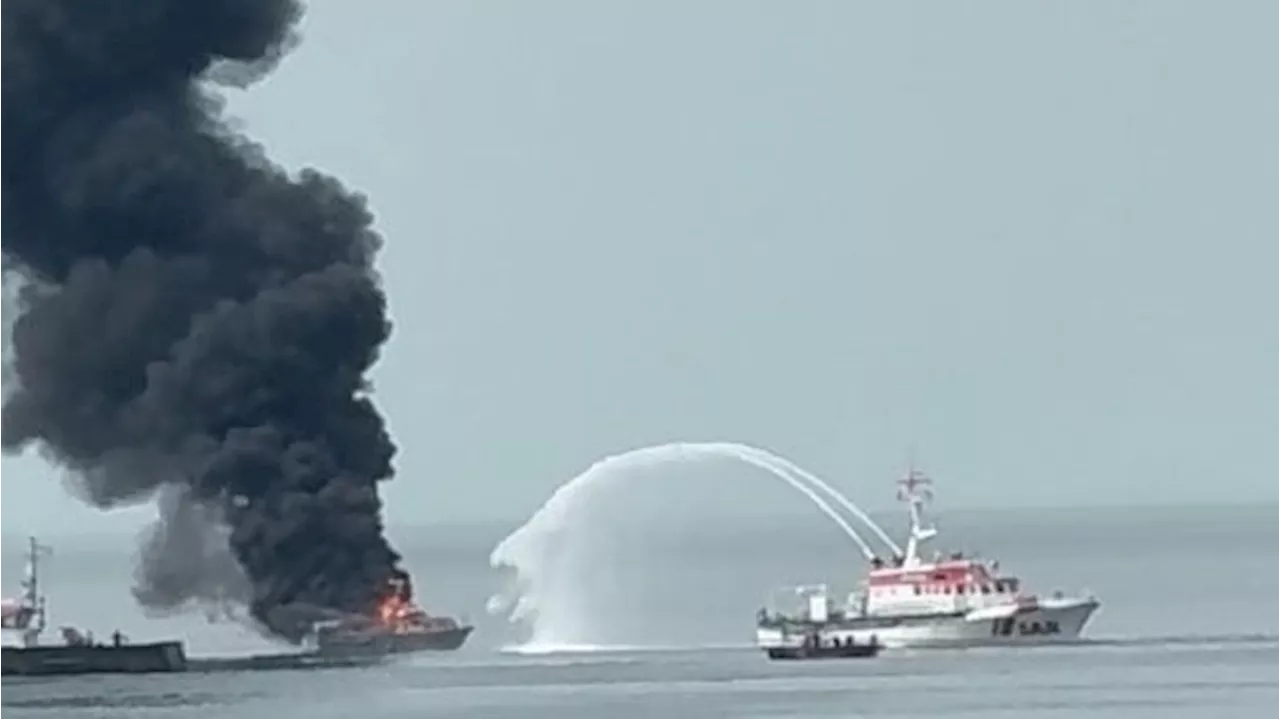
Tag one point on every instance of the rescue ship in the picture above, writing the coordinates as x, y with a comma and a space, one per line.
909, 601
397, 626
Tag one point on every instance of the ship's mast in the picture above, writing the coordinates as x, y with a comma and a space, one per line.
914, 489
32, 600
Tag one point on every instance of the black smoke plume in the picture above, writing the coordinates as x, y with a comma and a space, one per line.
194, 324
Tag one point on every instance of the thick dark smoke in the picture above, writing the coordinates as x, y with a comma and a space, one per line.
193, 322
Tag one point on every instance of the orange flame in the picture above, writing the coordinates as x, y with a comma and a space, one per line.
396, 606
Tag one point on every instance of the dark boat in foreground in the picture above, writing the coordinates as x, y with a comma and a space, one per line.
95, 659
816, 650
808, 640
25, 619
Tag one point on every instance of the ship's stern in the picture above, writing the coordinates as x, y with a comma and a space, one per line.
775, 637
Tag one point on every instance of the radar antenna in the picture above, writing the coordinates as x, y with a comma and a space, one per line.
916, 490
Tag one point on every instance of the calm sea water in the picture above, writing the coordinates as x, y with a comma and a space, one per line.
1188, 628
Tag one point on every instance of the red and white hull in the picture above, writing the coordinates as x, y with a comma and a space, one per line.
1059, 620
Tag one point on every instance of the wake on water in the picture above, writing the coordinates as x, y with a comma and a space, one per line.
555, 559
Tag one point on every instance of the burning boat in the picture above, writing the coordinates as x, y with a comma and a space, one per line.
396, 626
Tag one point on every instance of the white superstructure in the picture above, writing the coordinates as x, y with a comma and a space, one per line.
24, 616
911, 601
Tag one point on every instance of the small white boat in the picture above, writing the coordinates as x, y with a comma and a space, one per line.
908, 601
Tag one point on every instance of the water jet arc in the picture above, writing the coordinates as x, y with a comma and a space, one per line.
796, 483
790, 467
546, 590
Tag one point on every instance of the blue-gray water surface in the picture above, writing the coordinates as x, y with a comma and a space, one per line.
1186, 629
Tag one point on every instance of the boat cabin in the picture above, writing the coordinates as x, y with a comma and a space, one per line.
910, 585
954, 585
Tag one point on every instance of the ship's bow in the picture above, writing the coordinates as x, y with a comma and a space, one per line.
1069, 616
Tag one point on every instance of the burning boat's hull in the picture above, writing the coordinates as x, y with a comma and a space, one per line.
374, 643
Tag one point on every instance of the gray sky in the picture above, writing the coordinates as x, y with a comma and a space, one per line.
1034, 240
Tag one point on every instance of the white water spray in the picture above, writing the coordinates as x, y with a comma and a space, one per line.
551, 569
